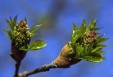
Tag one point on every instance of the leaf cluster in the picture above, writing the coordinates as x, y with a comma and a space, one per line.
91, 52
34, 45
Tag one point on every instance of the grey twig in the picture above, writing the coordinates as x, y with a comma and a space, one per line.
41, 69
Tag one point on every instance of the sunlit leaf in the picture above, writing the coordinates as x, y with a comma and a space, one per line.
92, 50
12, 23
76, 33
83, 27
79, 50
91, 25
9, 24
97, 48
15, 20
101, 40
32, 30
93, 58
35, 45
100, 52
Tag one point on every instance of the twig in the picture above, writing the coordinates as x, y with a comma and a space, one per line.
17, 66
41, 69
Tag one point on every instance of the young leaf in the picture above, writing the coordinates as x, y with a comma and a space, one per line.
93, 58
23, 48
35, 28
79, 50
100, 52
34, 46
83, 27
75, 30
75, 34
97, 48
37, 45
25, 19
10, 19
10, 35
92, 25
87, 43
9, 24
101, 40
12, 22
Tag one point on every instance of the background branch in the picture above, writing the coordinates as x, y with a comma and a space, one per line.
41, 69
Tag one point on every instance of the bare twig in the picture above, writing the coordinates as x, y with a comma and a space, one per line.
17, 66
41, 69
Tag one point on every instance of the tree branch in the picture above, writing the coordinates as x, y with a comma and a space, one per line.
41, 69
17, 66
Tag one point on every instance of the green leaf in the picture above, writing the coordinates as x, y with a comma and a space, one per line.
79, 50
35, 28
100, 52
76, 33
10, 19
101, 40
12, 22
25, 19
10, 35
92, 24
23, 48
39, 44
97, 48
10, 25
75, 30
91, 52
93, 58
83, 27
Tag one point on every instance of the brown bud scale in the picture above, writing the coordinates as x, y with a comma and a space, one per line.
65, 60
16, 54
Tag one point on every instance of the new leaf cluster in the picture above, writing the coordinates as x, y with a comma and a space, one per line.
15, 30
86, 43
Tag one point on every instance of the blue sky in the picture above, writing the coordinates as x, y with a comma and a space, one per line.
57, 35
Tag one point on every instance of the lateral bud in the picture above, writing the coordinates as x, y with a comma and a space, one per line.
65, 59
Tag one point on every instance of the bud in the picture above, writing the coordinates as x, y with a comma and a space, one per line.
22, 37
21, 34
90, 36
65, 59
85, 45
17, 54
